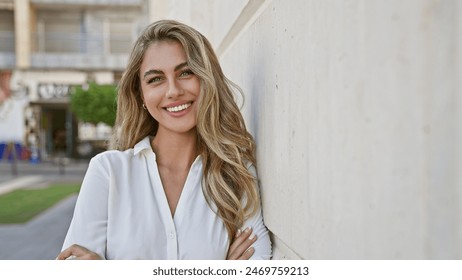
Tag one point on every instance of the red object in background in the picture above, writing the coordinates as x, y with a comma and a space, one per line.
25, 153
5, 92
7, 153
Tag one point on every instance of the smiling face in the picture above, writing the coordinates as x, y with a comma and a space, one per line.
170, 89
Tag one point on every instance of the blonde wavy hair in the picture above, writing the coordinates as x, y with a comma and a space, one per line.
226, 147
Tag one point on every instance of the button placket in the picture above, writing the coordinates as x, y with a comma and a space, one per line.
170, 232
172, 244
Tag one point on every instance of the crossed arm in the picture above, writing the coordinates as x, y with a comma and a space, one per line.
240, 249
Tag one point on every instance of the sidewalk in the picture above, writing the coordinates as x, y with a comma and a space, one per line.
40, 238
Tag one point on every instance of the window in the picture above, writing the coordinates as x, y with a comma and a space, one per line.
120, 34
7, 37
59, 32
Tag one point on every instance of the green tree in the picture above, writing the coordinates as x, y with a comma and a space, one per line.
96, 104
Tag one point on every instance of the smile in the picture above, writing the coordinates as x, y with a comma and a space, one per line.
179, 107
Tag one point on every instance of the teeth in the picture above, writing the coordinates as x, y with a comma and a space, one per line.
179, 108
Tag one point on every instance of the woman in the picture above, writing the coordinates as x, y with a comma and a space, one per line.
180, 182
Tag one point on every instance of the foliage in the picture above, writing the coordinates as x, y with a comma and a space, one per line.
96, 104
21, 205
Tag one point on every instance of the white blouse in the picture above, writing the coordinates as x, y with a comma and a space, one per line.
122, 213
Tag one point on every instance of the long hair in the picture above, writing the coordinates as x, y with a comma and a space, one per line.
226, 147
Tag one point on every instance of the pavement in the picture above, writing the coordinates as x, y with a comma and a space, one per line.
42, 237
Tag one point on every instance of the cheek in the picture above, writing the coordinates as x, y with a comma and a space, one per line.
151, 97
194, 86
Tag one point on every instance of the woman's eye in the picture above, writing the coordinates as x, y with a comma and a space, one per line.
186, 73
154, 80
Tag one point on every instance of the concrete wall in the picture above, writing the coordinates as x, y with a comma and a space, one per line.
355, 106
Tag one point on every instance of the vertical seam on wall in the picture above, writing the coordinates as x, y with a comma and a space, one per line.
247, 16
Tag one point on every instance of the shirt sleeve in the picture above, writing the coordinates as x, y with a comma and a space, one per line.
262, 245
88, 227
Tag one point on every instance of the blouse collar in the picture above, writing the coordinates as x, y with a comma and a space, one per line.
144, 144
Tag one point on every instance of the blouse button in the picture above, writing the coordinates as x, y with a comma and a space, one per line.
171, 235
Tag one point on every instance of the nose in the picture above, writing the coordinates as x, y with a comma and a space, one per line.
174, 89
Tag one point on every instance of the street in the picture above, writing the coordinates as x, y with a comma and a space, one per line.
41, 238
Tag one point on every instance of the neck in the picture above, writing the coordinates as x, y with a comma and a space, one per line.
175, 150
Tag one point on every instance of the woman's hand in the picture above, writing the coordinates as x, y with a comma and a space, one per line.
240, 248
77, 252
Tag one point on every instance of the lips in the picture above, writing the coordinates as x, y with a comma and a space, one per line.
178, 108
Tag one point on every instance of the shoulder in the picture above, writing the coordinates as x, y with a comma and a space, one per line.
115, 159
113, 156
119, 157
106, 162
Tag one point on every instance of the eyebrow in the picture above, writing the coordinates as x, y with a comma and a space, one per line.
155, 71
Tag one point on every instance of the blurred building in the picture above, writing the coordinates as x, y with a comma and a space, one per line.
46, 48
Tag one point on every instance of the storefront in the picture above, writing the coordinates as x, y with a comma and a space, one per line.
50, 124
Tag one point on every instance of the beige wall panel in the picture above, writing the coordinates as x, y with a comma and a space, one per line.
353, 105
